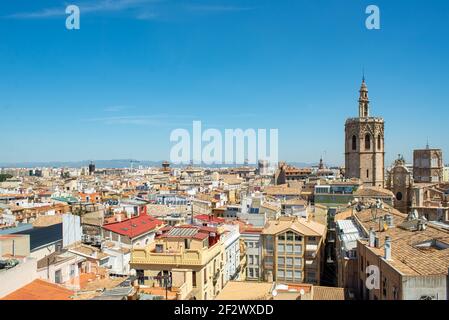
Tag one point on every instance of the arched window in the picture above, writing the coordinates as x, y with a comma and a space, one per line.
367, 142
354, 143
378, 142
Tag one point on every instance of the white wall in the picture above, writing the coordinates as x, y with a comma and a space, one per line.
17, 277
71, 229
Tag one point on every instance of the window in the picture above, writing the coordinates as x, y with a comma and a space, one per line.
269, 243
281, 261
312, 239
280, 274
289, 262
251, 272
297, 262
367, 173
354, 143
280, 248
395, 293
298, 275
289, 248
269, 261
399, 196
289, 275
72, 270
298, 237
298, 249
205, 275
367, 142
159, 248
379, 142
290, 236
281, 237
311, 275
58, 276
194, 279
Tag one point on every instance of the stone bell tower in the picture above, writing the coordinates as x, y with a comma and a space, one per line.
364, 144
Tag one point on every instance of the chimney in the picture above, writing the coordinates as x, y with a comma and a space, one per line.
421, 225
376, 241
387, 254
270, 276
389, 219
381, 224
372, 234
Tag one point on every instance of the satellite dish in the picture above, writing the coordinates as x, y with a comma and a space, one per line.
302, 292
275, 293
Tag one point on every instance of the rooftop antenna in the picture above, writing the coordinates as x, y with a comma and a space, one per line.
427, 145
363, 74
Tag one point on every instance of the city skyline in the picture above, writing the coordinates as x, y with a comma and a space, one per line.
135, 71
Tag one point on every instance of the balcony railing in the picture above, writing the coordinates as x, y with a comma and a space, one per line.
186, 257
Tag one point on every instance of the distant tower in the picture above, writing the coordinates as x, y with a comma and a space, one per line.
321, 165
91, 168
400, 182
263, 166
166, 166
364, 144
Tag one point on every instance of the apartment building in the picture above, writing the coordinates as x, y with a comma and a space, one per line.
399, 256
293, 250
253, 244
137, 231
188, 260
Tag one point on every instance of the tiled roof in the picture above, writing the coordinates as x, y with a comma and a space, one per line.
373, 192
327, 293
300, 225
245, 290
135, 226
40, 290
209, 218
405, 256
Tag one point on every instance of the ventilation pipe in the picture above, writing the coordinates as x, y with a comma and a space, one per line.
387, 253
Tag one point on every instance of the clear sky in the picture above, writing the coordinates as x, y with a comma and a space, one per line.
138, 69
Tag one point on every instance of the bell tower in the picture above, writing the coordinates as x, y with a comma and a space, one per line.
363, 100
364, 144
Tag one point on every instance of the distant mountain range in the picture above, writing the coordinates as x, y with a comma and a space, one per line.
119, 163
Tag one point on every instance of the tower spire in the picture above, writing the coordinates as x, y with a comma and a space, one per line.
363, 99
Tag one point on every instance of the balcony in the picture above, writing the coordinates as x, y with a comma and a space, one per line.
143, 256
216, 277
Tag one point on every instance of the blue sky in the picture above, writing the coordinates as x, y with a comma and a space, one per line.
138, 69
